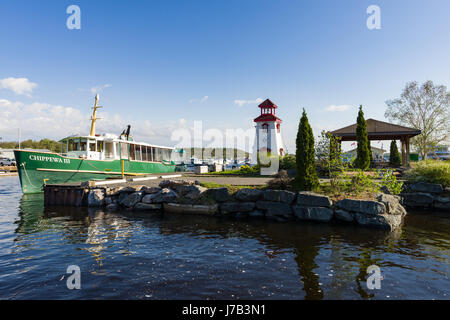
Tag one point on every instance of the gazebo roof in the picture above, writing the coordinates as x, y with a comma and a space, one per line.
377, 130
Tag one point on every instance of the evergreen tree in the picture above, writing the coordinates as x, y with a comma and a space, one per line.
363, 151
394, 157
306, 176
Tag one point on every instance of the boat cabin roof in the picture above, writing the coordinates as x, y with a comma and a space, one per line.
113, 138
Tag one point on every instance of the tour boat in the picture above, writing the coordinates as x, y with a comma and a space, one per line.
92, 157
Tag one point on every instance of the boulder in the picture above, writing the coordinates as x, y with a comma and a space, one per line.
248, 194
279, 196
256, 214
165, 195
362, 206
131, 199
442, 203
425, 187
172, 184
319, 214
96, 198
190, 191
190, 208
218, 194
147, 206
150, 190
381, 221
233, 207
274, 209
343, 215
310, 199
385, 190
392, 204
112, 207
417, 199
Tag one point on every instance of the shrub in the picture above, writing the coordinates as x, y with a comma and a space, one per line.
281, 180
432, 171
287, 162
394, 156
363, 148
361, 182
389, 180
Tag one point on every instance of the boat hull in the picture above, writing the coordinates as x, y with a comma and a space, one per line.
37, 168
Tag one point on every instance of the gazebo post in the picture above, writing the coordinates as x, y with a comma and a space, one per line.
407, 151
402, 139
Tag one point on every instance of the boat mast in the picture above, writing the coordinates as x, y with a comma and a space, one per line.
94, 116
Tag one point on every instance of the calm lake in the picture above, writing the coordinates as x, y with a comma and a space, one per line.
127, 256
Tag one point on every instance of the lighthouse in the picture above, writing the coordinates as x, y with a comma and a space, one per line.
268, 130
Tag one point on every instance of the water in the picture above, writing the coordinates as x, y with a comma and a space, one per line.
124, 256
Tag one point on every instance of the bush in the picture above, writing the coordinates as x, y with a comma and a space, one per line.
281, 181
432, 171
287, 162
361, 182
389, 181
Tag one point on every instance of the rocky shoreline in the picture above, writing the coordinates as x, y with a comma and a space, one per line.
186, 197
422, 195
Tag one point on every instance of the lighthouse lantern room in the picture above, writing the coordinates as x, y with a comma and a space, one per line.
268, 132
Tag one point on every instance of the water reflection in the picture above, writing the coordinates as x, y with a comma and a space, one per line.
307, 261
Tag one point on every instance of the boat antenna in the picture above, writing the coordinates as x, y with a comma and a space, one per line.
94, 116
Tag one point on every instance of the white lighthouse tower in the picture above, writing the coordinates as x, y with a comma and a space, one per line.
268, 131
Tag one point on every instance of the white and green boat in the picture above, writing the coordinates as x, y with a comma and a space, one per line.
92, 157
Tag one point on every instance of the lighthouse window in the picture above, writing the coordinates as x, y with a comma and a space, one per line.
278, 127
265, 127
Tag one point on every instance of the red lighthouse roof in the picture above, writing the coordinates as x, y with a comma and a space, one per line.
267, 112
267, 104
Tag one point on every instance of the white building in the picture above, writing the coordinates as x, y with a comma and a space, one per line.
268, 131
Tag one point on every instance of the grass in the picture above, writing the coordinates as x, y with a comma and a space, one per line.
231, 188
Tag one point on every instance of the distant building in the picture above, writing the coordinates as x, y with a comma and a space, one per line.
377, 154
441, 152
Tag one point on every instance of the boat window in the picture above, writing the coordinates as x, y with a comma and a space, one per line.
70, 145
157, 156
124, 150
138, 153
132, 149
144, 153
99, 146
83, 144
91, 145
109, 150
150, 153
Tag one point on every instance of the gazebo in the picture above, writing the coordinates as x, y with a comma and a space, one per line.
379, 130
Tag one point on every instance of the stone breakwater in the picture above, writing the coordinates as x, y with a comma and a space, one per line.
185, 197
429, 196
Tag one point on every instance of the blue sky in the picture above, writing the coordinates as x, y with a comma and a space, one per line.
160, 65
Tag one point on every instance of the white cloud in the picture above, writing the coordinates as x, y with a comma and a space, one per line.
201, 100
18, 85
240, 103
98, 89
339, 108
